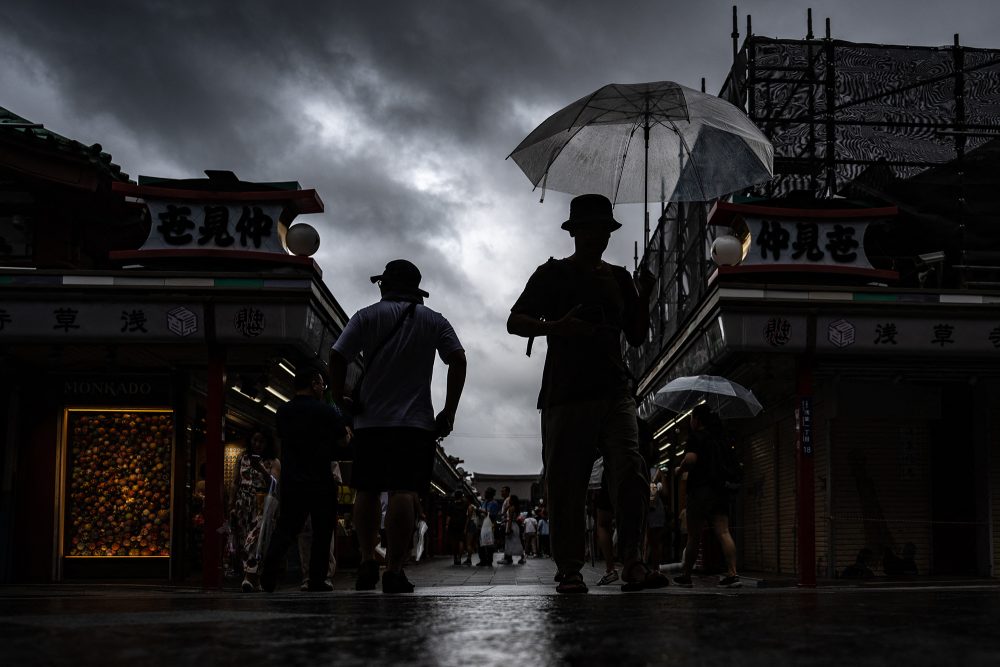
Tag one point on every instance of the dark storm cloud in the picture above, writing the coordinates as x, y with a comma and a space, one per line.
400, 114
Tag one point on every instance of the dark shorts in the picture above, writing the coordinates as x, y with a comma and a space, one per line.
393, 459
704, 502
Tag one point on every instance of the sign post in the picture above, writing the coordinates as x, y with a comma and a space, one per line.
805, 473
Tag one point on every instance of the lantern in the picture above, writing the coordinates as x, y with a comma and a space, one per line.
302, 239
727, 251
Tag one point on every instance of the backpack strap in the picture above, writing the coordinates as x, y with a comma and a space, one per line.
551, 263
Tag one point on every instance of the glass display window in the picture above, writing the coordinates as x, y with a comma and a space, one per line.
118, 481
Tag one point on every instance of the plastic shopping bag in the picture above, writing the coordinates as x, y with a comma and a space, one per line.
486, 534
267, 519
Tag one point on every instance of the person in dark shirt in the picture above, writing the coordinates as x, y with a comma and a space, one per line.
707, 499
309, 430
583, 305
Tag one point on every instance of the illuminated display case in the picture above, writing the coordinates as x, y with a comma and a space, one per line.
117, 500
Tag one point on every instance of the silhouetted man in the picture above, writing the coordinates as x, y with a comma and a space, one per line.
394, 427
583, 305
308, 429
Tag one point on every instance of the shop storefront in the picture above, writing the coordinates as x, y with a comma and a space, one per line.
146, 331
877, 446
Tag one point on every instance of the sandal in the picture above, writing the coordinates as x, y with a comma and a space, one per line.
572, 584
608, 578
650, 579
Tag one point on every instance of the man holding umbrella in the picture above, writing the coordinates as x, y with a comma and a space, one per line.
582, 305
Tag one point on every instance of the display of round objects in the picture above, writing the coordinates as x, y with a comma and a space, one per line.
118, 486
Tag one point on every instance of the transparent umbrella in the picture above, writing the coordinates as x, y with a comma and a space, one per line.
725, 397
623, 138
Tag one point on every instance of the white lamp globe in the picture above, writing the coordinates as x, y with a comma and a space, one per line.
302, 239
727, 251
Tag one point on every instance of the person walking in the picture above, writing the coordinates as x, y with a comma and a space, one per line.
530, 535
455, 525
473, 526
707, 498
543, 534
604, 529
656, 521
306, 536
309, 430
502, 523
513, 546
492, 512
583, 305
255, 469
396, 430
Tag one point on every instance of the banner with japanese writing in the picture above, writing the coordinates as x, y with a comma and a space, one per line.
807, 242
215, 226
122, 321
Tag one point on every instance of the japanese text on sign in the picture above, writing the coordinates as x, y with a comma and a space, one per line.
177, 225
829, 243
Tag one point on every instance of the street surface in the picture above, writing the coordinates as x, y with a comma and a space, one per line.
510, 616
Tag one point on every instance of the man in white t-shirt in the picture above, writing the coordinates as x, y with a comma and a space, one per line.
530, 535
395, 429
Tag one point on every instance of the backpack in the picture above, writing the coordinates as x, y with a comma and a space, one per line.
725, 468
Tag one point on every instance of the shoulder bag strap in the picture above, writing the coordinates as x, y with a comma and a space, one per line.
378, 348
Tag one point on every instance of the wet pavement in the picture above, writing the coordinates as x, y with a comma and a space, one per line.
509, 616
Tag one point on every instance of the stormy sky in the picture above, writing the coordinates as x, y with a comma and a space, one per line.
400, 113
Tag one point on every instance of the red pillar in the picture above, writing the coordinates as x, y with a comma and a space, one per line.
214, 511
805, 473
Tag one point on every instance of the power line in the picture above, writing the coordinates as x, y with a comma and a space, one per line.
534, 436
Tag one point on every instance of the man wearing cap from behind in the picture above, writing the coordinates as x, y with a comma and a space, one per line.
582, 305
395, 429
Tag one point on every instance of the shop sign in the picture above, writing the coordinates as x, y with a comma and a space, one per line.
803, 424
214, 226
807, 242
775, 332
251, 322
941, 335
117, 389
122, 321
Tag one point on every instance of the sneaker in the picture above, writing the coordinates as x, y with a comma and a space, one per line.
247, 586
467, 562
684, 580
608, 578
367, 576
305, 585
396, 582
730, 582
522, 561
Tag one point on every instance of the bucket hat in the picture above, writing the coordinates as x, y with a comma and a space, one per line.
591, 210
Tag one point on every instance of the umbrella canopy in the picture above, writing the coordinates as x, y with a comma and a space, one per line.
725, 397
624, 139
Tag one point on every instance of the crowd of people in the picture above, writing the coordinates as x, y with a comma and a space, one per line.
585, 307
490, 527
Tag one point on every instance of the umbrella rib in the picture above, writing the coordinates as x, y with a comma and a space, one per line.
621, 171
584, 107
687, 151
555, 156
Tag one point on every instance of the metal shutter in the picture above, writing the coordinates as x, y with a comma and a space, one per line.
881, 491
